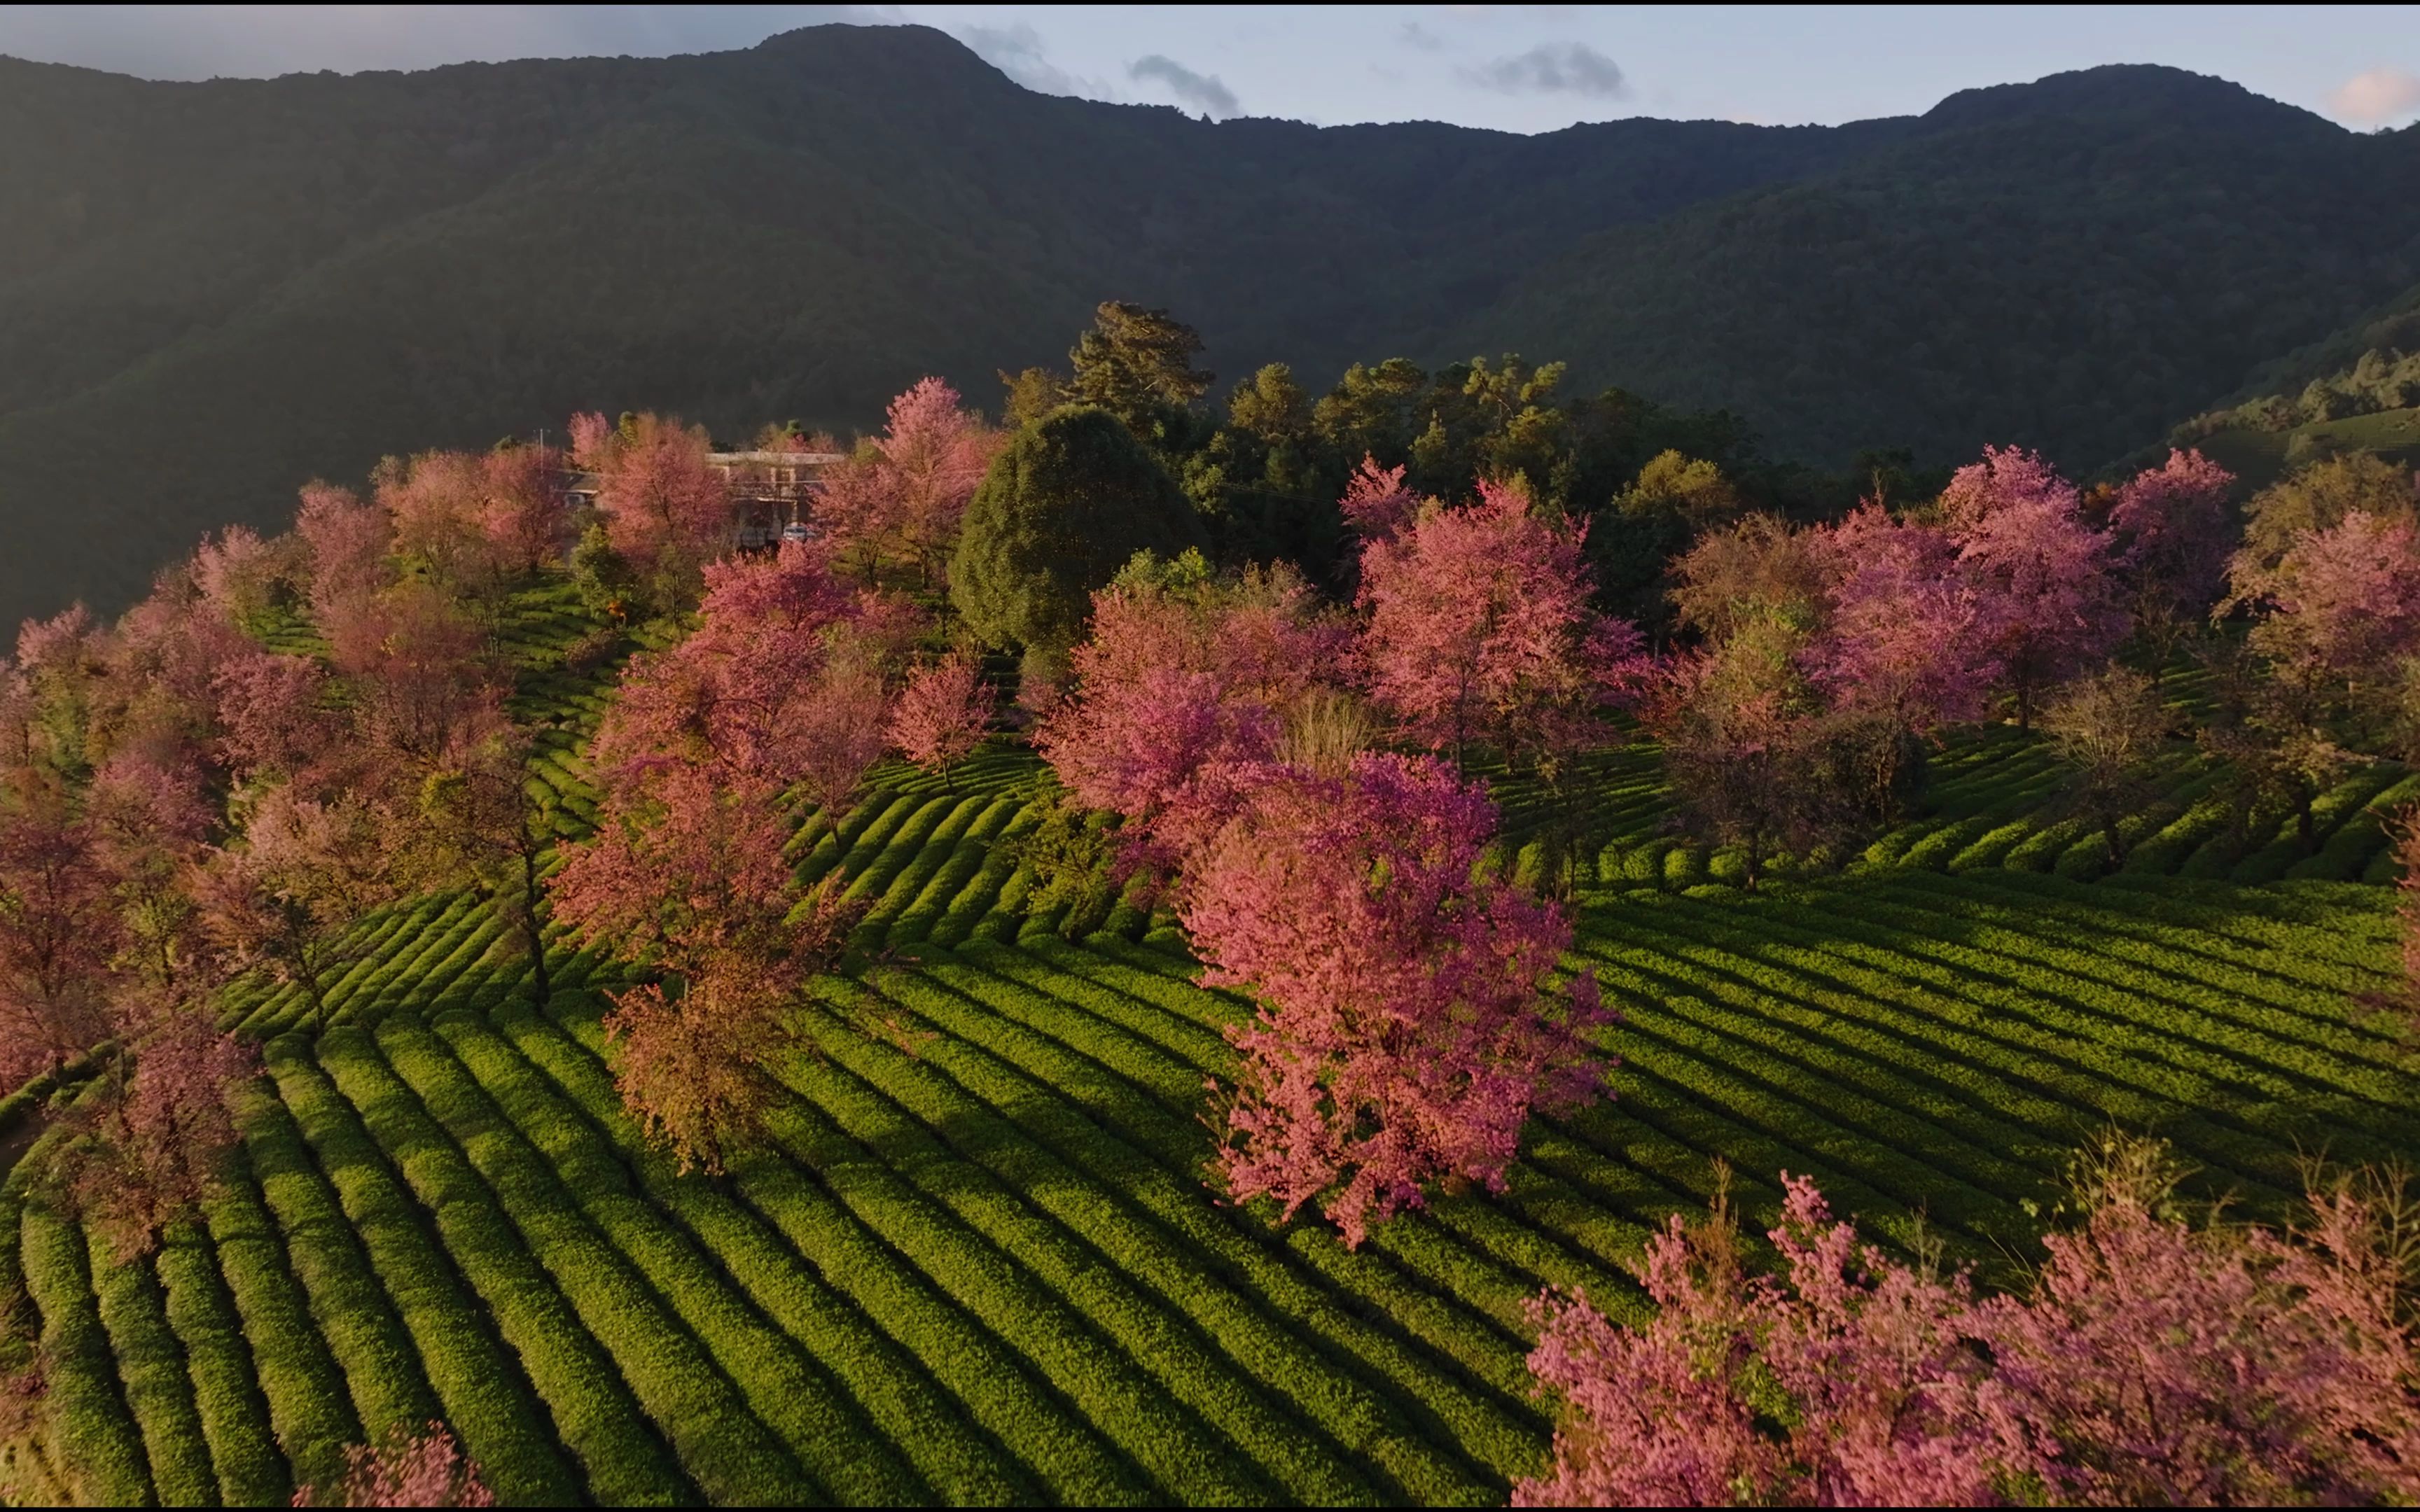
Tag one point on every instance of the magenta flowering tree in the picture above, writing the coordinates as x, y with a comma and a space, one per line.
405, 1469
774, 692
2341, 604
1376, 502
943, 712
153, 1142
59, 927
345, 543
2148, 1363
1404, 1032
1906, 636
523, 508
1178, 688
237, 573
1479, 628
906, 490
2170, 529
2052, 603
666, 510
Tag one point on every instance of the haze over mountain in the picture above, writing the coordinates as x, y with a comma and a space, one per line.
209, 292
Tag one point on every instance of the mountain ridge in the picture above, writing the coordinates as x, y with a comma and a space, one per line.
224, 288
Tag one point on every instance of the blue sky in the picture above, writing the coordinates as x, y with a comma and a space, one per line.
1513, 67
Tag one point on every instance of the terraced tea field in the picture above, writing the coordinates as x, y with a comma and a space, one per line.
981, 1264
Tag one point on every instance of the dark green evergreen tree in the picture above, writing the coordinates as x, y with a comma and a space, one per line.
1069, 501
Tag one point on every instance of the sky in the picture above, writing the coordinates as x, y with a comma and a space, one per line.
1510, 67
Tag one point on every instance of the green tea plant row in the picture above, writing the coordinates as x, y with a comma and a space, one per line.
1993, 804
981, 1263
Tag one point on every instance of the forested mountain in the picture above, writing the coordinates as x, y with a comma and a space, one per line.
209, 292
2059, 264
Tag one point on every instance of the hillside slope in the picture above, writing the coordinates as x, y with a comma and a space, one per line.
978, 1260
2068, 265
210, 292
222, 288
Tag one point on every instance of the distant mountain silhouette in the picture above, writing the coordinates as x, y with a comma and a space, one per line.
210, 292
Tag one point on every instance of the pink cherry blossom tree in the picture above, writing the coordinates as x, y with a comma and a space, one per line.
1402, 1034
523, 508
239, 575
274, 716
417, 666
937, 454
285, 895
943, 712
348, 544
1898, 644
1905, 635
2147, 1363
2053, 608
2170, 530
667, 510
2325, 669
2342, 604
150, 825
163, 658
1479, 628
906, 490
1747, 746
696, 885
59, 662
434, 504
1184, 680
688, 876
1376, 502
144, 1152
59, 928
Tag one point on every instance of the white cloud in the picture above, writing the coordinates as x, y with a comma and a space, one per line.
1551, 68
2377, 97
1015, 49
1204, 92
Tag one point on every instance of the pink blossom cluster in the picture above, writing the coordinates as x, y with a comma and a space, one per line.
2172, 531
2013, 590
2342, 603
405, 1469
942, 712
663, 502
780, 690
1402, 1039
1404, 1032
2148, 1363
775, 690
906, 490
1479, 625
1180, 690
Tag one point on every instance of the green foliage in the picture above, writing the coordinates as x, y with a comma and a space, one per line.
607, 586
2371, 366
99, 1446
2317, 496
1137, 365
1068, 502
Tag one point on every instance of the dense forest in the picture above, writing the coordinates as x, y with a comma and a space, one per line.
213, 292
